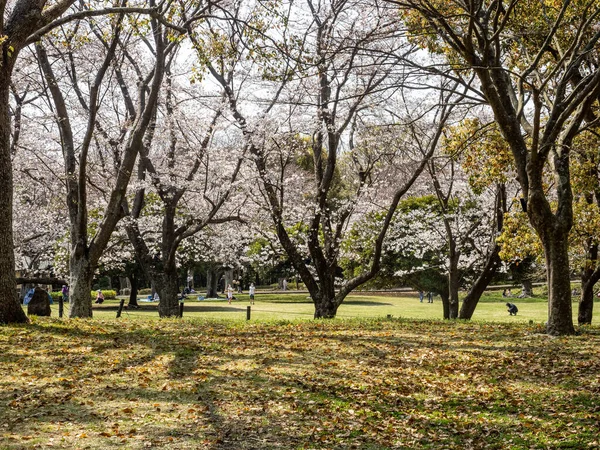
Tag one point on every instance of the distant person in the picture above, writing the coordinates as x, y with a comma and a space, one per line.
285, 284
65, 293
421, 296
430, 297
506, 293
99, 297
251, 290
229, 294
512, 309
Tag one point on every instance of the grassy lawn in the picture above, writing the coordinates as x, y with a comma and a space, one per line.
294, 306
363, 384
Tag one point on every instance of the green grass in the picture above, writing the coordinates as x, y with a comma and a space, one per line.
294, 306
343, 384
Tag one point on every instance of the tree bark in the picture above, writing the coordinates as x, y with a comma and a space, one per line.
325, 307
80, 287
10, 308
590, 274
586, 302
492, 263
167, 286
472, 298
453, 285
212, 280
445, 303
560, 312
526, 288
133, 281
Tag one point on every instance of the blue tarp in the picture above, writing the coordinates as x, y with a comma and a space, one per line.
29, 296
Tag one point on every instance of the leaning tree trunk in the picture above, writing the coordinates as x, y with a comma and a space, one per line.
133, 281
10, 308
491, 264
80, 287
472, 298
167, 286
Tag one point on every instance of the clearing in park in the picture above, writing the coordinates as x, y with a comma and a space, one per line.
372, 383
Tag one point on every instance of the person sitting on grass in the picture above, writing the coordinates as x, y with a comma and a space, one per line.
99, 297
512, 309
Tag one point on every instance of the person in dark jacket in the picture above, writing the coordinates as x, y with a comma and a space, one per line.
512, 309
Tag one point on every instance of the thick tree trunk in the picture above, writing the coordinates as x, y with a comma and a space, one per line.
80, 287
10, 308
212, 280
325, 308
526, 288
167, 286
560, 312
472, 298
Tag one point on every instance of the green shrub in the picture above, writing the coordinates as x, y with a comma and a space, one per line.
145, 291
108, 294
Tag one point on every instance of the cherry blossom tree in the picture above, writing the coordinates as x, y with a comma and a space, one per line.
192, 179
121, 143
332, 62
24, 22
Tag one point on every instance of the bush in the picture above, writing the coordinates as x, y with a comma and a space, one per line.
145, 291
108, 294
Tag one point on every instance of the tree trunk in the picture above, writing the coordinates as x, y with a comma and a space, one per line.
167, 286
190, 278
560, 312
526, 288
80, 287
590, 274
492, 263
10, 308
227, 279
445, 304
325, 308
472, 298
133, 283
212, 282
586, 303
453, 284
